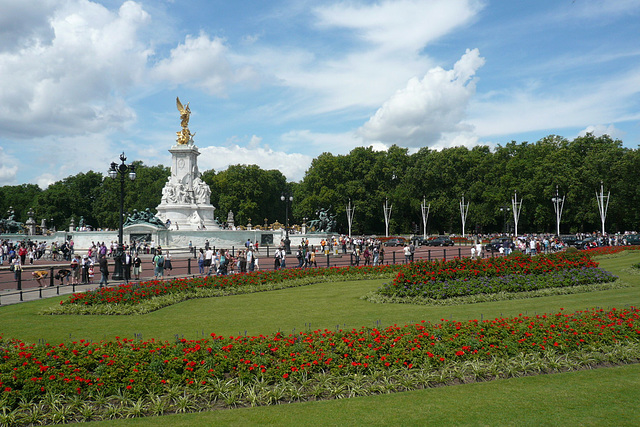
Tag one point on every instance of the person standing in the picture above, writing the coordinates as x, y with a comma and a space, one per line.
242, 262
356, 256
75, 269
158, 264
407, 254
22, 253
126, 265
276, 259
201, 262
104, 271
312, 258
251, 260
167, 262
86, 265
137, 266
208, 257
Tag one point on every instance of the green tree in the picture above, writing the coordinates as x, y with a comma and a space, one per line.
249, 191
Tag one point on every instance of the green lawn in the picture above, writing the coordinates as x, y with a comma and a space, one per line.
603, 396
587, 398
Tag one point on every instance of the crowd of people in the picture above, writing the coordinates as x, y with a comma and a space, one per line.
361, 251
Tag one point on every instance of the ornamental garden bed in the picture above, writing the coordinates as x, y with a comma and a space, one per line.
83, 380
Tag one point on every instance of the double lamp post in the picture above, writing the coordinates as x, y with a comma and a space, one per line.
122, 170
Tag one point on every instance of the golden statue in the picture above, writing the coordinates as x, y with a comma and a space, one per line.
184, 136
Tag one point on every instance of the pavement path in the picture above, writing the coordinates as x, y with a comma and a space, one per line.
183, 266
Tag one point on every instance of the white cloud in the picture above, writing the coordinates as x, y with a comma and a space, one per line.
381, 50
421, 113
599, 130
25, 23
8, 168
61, 157
200, 60
518, 110
293, 166
399, 25
72, 82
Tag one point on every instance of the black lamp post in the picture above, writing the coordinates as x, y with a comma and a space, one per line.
286, 198
121, 170
504, 209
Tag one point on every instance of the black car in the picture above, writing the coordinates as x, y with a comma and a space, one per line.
395, 242
439, 241
495, 244
569, 240
632, 239
419, 241
589, 242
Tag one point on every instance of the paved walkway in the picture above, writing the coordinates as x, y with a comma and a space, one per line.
182, 267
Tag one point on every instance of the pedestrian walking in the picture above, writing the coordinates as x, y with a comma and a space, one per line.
104, 271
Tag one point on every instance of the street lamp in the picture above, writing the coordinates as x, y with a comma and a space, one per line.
121, 170
504, 209
286, 198
558, 204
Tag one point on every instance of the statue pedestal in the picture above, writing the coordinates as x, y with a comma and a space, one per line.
188, 217
185, 197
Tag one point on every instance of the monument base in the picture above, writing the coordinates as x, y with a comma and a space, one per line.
189, 217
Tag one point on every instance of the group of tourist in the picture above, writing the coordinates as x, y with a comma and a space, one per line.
31, 251
221, 262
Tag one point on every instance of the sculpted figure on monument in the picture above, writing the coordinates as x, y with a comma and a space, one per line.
169, 194
202, 192
182, 194
184, 136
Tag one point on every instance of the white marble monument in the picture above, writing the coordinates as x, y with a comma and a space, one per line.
185, 197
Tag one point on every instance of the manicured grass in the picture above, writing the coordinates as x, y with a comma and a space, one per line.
596, 397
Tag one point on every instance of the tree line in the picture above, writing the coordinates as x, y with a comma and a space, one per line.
486, 177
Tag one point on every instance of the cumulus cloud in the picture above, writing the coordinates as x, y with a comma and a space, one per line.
201, 61
24, 24
42, 96
8, 168
293, 166
419, 114
599, 130
381, 47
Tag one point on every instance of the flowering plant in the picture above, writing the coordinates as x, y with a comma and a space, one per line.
135, 293
83, 367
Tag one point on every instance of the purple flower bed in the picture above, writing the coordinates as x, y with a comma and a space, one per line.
442, 289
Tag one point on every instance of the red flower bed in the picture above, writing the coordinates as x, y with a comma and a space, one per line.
80, 367
609, 250
138, 292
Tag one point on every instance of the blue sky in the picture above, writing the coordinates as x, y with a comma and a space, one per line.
276, 83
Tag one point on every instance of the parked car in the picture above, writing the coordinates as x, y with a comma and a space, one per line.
497, 243
395, 242
569, 240
419, 240
440, 241
589, 242
632, 239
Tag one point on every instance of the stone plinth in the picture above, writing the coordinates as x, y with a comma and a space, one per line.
185, 197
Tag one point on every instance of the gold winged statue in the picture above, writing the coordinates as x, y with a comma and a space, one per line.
184, 136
